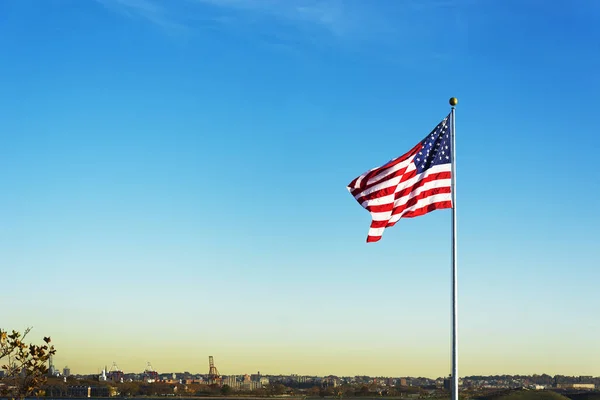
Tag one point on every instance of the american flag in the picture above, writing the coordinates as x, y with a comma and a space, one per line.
413, 184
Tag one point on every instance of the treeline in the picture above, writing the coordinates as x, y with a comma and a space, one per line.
363, 391
543, 379
59, 388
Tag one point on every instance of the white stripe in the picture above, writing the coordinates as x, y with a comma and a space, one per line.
376, 231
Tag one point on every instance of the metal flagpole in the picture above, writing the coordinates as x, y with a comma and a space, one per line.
453, 103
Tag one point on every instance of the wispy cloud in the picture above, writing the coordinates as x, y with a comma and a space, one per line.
153, 11
330, 15
336, 17
395, 26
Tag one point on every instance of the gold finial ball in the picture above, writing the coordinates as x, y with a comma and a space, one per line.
453, 101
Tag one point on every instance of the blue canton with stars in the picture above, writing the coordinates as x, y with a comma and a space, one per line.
437, 147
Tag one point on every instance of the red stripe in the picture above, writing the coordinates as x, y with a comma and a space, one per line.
428, 208
424, 210
379, 224
371, 239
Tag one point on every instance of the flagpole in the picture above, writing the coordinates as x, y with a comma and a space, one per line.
453, 103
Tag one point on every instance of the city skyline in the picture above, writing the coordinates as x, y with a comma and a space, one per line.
174, 184
182, 374
238, 370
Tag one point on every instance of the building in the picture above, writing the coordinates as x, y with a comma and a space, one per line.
231, 381
250, 385
80, 391
51, 370
584, 386
66, 372
101, 391
84, 391
330, 381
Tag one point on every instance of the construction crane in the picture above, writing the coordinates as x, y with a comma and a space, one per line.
214, 378
115, 374
150, 375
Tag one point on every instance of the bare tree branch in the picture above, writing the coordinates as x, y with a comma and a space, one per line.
24, 364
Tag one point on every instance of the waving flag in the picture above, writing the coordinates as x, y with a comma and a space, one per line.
413, 184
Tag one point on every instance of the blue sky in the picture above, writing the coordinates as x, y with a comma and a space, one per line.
174, 180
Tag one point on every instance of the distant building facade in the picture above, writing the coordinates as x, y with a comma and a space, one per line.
584, 386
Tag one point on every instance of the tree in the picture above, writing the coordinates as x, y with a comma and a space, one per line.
226, 390
364, 391
24, 364
326, 392
314, 391
129, 388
